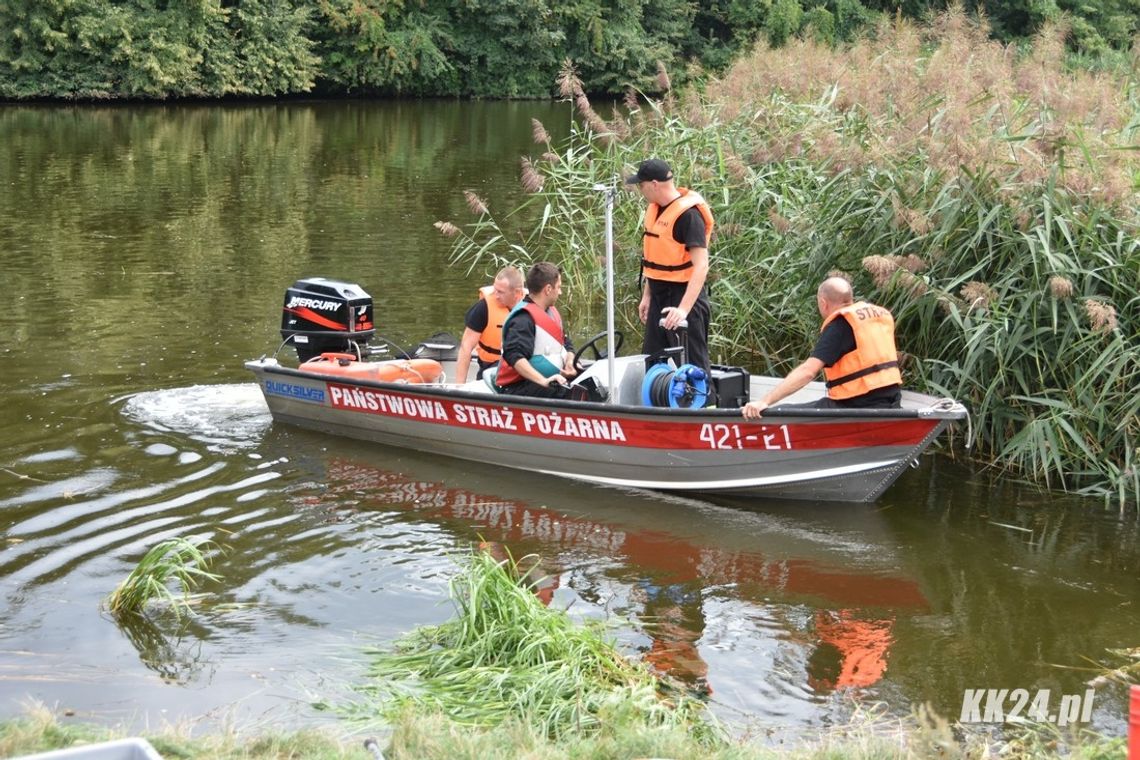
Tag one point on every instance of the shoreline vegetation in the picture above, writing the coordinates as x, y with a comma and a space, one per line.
510, 677
986, 195
152, 49
434, 737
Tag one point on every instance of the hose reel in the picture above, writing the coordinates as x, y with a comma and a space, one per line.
686, 387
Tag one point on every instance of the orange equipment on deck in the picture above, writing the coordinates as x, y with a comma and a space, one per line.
392, 371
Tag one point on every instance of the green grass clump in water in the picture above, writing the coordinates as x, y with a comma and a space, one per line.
506, 657
179, 559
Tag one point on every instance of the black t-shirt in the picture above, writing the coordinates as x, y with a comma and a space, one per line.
836, 340
689, 229
476, 318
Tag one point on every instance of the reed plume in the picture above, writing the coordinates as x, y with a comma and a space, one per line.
539, 133
1102, 316
531, 179
978, 295
1061, 287
881, 269
477, 205
569, 85
663, 83
779, 223
447, 228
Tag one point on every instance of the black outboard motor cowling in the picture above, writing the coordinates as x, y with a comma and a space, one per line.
322, 315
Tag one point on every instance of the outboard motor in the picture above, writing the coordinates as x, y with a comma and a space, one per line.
322, 315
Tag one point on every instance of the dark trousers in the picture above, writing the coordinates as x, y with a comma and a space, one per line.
483, 366
882, 398
665, 294
525, 387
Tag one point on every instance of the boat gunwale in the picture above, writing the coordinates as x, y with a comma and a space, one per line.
956, 412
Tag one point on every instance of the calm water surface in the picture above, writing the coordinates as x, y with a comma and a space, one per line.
144, 252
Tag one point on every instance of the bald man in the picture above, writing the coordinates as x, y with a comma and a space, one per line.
483, 325
856, 351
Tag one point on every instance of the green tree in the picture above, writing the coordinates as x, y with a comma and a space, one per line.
783, 21
506, 48
274, 52
85, 48
377, 46
154, 49
617, 44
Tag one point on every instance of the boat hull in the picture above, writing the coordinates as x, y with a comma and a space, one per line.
852, 455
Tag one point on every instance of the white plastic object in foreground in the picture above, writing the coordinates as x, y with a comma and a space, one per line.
121, 749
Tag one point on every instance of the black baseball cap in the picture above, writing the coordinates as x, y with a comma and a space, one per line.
651, 169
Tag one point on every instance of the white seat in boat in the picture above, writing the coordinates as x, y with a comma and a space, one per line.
630, 373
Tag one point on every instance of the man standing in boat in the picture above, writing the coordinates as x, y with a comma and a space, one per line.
537, 356
856, 351
675, 262
483, 325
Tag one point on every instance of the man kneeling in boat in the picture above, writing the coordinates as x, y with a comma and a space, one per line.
856, 351
483, 324
537, 356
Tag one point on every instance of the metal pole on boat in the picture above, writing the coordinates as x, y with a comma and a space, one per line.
610, 194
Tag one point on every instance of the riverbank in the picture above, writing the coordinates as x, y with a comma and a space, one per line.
430, 737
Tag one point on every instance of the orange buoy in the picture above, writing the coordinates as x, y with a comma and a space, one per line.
412, 371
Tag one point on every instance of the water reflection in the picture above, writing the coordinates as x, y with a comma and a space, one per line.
175, 656
664, 574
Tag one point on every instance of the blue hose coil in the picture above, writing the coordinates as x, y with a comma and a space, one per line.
685, 388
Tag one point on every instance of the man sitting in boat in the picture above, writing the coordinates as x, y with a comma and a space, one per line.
537, 356
856, 351
483, 324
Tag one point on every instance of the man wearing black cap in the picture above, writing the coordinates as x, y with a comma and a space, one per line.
675, 261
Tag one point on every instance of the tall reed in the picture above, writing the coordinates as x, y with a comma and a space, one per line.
986, 195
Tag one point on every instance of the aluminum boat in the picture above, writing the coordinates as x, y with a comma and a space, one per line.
801, 453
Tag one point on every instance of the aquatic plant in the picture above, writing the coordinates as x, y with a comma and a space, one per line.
986, 195
507, 657
181, 560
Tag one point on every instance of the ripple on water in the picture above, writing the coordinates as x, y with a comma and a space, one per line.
225, 417
58, 455
161, 450
86, 483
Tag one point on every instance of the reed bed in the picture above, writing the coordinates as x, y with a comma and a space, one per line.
505, 657
180, 560
987, 195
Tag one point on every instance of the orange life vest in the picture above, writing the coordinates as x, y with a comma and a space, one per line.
874, 363
490, 345
663, 257
548, 342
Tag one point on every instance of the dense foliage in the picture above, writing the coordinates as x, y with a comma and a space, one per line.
989, 199
492, 48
